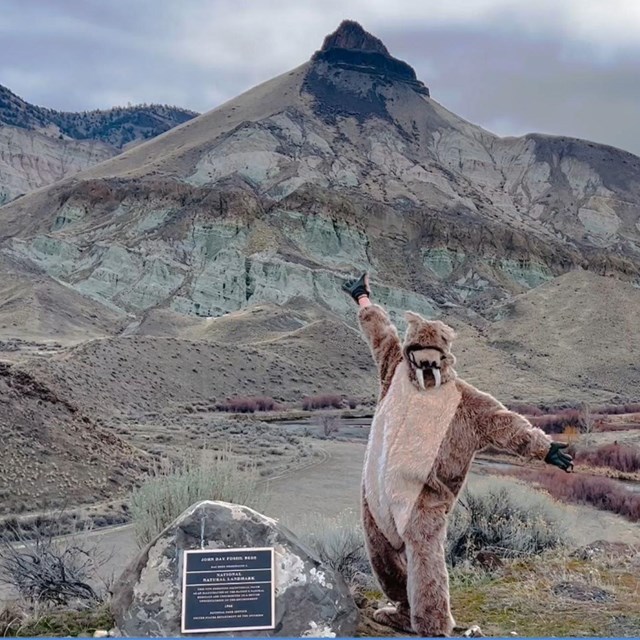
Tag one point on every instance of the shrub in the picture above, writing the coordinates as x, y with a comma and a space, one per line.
339, 543
329, 425
618, 409
322, 402
247, 404
47, 568
498, 515
164, 496
554, 419
526, 409
599, 492
506, 518
264, 403
621, 457
238, 405
558, 422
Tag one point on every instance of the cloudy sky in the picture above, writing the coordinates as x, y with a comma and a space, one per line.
568, 67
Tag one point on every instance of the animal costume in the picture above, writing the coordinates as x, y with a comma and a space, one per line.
427, 427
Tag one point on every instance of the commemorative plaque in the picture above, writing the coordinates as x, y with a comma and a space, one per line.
228, 590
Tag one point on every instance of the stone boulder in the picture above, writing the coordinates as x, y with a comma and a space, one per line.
311, 600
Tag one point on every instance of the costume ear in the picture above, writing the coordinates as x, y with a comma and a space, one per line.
447, 332
412, 317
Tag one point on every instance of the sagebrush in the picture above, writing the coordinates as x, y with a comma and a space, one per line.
339, 543
498, 515
506, 518
171, 490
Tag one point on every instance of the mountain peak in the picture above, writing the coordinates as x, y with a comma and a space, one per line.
351, 35
353, 74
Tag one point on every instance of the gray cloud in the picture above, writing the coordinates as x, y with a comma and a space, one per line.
513, 84
564, 68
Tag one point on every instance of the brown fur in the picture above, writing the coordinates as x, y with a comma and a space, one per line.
384, 343
415, 575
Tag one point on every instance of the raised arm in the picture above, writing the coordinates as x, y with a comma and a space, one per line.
497, 426
378, 330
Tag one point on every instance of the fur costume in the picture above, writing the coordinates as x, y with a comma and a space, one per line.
421, 445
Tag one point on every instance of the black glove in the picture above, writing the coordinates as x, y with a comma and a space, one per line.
357, 288
559, 458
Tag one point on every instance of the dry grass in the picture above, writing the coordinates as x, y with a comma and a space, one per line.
557, 594
16, 621
271, 448
552, 595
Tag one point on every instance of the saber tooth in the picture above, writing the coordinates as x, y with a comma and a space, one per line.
420, 376
436, 375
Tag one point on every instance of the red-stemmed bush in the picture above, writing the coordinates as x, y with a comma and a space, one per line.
596, 491
622, 457
246, 404
558, 422
326, 401
527, 409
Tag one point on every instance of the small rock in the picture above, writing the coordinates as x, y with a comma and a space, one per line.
100, 633
581, 592
604, 548
488, 560
513, 633
473, 632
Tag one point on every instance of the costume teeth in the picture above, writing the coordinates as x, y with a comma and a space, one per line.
420, 376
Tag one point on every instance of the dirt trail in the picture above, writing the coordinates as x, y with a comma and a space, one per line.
326, 489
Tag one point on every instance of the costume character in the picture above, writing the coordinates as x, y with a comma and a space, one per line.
427, 427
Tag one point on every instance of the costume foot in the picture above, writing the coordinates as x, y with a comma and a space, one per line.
391, 617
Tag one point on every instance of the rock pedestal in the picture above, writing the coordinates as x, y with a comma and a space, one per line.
311, 600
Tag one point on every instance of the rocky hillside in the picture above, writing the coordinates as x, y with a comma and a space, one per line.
39, 146
343, 164
52, 456
117, 127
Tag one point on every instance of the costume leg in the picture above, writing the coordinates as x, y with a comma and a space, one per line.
390, 568
428, 579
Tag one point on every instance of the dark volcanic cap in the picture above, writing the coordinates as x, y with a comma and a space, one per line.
350, 35
351, 47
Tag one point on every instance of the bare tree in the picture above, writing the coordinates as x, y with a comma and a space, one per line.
329, 425
588, 421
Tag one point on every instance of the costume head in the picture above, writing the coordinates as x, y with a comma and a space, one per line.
427, 351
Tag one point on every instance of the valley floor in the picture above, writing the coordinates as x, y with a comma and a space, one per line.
329, 484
